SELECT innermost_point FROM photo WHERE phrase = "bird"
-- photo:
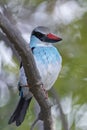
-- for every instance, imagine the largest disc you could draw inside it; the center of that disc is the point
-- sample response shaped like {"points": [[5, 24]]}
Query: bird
{"points": [[48, 61]]}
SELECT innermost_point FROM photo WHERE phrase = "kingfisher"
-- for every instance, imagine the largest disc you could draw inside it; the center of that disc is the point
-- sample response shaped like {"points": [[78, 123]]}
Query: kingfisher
{"points": [[48, 61]]}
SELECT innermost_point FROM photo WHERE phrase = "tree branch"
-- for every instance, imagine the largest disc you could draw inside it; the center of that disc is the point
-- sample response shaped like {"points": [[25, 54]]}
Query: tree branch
{"points": [[31, 71], [62, 116]]}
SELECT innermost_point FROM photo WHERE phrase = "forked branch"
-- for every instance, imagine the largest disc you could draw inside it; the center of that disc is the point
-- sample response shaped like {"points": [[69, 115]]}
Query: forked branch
{"points": [[31, 71]]}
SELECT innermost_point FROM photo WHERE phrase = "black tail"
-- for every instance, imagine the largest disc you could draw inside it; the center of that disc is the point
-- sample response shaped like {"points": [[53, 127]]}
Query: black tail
{"points": [[20, 111]]}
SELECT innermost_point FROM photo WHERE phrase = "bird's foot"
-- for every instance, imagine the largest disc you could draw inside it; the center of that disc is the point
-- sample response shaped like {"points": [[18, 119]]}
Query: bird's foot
{"points": [[46, 93]]}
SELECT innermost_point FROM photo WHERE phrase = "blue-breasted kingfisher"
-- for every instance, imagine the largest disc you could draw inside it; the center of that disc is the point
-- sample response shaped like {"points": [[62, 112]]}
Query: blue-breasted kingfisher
{"points": [[48, 61]]}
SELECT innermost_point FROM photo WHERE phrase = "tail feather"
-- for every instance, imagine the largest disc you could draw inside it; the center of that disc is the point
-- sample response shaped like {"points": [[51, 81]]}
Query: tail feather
{"points": [[20, 111], [23, 111], [17, 111]]}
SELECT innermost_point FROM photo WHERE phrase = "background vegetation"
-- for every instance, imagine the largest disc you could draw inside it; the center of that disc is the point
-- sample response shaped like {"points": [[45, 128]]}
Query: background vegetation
{"points": [[68, 19]]}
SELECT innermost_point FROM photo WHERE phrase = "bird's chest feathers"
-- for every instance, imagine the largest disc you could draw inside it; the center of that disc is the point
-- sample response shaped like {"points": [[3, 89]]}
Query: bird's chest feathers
{"points": [[48, 62]]}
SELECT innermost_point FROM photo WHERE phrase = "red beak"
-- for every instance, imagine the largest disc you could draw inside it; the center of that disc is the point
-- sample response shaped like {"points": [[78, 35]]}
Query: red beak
{"points": [[51, 36]]}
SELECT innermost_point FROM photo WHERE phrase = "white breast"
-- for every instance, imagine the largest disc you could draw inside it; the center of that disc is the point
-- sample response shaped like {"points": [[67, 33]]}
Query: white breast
{"points": [[49, 75], [48, 64]]}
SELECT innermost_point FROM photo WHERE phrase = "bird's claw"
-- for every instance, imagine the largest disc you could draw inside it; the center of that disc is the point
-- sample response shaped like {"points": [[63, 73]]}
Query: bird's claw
{"points": [[46, 93]]}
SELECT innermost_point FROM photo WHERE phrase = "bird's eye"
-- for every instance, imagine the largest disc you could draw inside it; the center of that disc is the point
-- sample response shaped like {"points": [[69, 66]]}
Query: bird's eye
{"points": [[38, 34]]}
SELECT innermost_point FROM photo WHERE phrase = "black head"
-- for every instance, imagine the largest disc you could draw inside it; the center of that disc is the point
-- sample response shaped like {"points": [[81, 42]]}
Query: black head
{"points": [[43, 34]]}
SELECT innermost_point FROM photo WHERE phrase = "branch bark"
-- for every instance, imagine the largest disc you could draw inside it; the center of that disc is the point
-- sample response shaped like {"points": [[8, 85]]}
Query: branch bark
{"points": [[31, 71]]}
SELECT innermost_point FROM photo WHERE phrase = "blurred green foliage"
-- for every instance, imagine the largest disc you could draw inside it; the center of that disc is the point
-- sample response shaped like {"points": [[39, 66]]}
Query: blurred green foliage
{"points": [[73, 77]]}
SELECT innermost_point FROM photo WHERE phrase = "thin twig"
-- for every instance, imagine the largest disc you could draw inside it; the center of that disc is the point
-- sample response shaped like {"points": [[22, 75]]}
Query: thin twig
{"points": [[34, 123], [63, 119]]}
